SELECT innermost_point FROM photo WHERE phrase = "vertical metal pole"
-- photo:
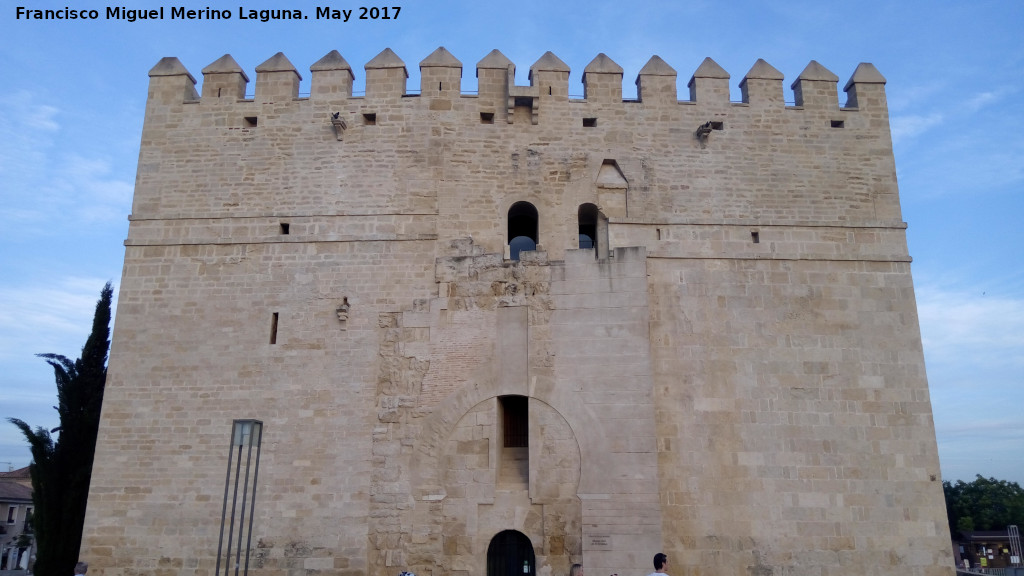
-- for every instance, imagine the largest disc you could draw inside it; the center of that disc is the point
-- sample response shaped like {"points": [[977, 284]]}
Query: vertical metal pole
{"points": [[246, 434], [245, 496], [234, 504], [224, 508], [252, 503], [1014, 543]]}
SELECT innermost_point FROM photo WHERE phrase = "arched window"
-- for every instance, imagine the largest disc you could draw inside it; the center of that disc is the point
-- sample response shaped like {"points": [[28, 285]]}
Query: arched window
{"points": [[510, 554], [586, 216], [522, 229]]}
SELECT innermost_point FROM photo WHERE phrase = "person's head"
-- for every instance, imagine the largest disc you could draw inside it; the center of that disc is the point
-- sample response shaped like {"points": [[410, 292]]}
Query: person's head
{"points": [[576, 570], [660, 561], [81, 568]]}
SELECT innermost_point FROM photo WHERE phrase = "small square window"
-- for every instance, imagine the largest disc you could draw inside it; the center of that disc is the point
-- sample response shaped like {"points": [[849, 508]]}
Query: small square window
{"points": [[717, 125], [590, 122], [250, 122], [285, 228], [370, 119], [838, 124], [755, 237], [487, 117]]}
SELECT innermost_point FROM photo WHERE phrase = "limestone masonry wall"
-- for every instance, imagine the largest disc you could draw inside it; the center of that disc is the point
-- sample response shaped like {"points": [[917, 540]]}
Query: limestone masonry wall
{"points": [[709, 345]]}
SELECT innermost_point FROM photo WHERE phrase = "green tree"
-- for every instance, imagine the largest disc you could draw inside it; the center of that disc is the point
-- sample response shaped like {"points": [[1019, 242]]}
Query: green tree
{"points": [[984, 504], [61, 468]]}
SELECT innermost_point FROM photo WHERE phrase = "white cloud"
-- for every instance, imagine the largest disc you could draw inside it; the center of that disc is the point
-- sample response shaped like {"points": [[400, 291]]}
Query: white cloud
{"points": [[40, 319], [43, 177], [40, 117], [974, 348], [959, 327], [979, 101], [26, 132], [909, 97], [904, 127]]}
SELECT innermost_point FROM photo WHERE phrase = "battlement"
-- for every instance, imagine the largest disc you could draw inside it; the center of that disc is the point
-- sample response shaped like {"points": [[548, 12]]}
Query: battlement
{"points": [[386, 79], [652, 163]]}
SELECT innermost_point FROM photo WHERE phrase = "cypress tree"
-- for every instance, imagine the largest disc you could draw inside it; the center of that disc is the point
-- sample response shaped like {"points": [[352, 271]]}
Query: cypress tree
{"points": [[61, 468]]}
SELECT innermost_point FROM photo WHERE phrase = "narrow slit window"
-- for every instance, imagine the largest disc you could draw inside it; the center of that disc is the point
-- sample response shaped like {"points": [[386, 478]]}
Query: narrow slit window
{"points": [[273, 328], [755, 237], [590, 122], [250, 121], [285, 228], [370, 119]]}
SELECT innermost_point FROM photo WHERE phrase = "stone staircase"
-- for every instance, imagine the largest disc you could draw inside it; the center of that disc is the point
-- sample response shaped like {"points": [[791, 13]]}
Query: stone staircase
{"points": [[514, 472]]}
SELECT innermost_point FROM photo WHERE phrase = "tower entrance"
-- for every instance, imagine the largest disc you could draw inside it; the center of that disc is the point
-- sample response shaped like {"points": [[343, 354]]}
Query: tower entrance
{"points": [[510, 554]]}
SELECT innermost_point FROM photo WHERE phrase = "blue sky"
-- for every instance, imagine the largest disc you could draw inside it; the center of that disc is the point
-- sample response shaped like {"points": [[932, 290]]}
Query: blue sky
{"points": [[71, 116]]}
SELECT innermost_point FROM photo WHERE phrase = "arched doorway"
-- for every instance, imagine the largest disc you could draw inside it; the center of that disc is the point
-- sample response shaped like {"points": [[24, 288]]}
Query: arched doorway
{"points": [[511, 554]]}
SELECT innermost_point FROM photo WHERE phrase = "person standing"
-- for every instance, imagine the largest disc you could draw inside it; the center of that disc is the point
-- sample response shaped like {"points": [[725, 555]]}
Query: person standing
{"points": [[660, 563]]}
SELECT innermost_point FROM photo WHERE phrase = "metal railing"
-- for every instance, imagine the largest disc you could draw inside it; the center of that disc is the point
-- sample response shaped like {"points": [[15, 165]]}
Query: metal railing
{"points": [[1011, 571]]}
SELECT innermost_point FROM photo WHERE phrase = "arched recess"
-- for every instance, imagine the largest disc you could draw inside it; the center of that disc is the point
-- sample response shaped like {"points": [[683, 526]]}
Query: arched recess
{"points": [[522, 228], [455, 469], [510, 553]]}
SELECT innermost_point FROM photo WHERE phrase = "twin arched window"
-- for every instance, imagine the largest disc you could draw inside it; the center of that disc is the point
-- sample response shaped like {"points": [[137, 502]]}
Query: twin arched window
{"points": [[522, 227]]}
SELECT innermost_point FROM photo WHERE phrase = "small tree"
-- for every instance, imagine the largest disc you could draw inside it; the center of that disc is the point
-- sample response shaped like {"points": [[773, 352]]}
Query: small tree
{"points": [[61, 469]]}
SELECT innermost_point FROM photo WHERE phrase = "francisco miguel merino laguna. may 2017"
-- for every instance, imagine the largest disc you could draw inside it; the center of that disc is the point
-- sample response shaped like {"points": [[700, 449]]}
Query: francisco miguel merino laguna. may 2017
{"points": [[183, 13]]}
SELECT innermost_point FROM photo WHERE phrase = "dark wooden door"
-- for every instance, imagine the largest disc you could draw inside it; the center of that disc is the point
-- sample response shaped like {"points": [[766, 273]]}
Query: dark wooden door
{"points": [[510, 554]]}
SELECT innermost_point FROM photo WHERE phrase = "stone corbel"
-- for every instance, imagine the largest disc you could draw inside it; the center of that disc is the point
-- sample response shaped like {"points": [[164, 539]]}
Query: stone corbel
{"points": [[339, 125]]}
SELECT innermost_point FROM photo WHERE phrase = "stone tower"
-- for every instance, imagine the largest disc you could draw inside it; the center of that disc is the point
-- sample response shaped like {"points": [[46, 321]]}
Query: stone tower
{"points": [[500, 333]]}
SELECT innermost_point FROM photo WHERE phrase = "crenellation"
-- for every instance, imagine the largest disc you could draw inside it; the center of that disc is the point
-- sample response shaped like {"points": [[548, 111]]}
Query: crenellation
{"points": [[495, 74], [277, 80], [762, 85], [332, 77], [224, 78], [866, 90], [815, 88], [550, 77], [602, 81], [171, 83], [709, 85], [656, 83], [440, 75], [498, 95], [386, 76]]}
